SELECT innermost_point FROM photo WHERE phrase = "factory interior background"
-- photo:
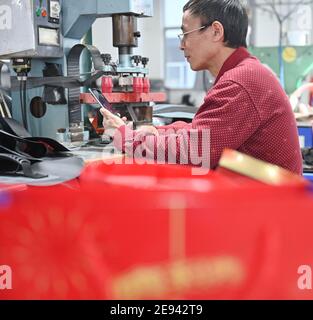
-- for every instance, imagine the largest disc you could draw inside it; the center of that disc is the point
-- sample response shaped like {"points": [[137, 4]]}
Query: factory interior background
{"points": [[94, 224]]}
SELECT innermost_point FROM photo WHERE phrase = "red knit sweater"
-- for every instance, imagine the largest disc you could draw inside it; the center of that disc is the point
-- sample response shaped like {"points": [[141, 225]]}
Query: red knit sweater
{"points": [[246, 110]]}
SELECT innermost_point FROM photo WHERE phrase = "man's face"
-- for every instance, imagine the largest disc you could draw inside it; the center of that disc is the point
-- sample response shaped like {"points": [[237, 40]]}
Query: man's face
{"points": [[198, 46]]}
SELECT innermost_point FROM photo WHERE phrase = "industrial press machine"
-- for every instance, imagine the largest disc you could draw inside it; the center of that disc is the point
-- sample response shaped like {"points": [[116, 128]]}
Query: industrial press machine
{"points": [[41, 42]]}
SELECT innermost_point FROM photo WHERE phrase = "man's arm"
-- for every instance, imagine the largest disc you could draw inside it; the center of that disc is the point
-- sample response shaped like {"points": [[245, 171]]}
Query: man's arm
{"points": [[175, 125], [167, 146], [156, 130], [226, 120]]}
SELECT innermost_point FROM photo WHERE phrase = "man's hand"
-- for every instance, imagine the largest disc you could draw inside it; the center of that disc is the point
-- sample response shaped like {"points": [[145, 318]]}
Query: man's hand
{"points": [[110, 120], [148, 130]]}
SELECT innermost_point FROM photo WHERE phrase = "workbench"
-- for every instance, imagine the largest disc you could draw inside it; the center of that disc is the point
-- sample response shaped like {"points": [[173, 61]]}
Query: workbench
{"points": [[92, 153]]}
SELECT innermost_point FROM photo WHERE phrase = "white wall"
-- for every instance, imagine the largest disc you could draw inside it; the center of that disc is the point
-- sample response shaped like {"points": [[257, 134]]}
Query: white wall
{"points": [[297, 29], [150, 44]]}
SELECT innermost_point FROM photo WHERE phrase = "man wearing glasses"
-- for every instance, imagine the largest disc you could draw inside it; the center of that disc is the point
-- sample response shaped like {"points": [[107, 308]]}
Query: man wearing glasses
{"points": [[245, 110]]}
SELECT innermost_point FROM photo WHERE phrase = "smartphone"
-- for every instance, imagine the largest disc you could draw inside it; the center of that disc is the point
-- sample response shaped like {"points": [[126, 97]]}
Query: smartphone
{"points": [[102, 100]]}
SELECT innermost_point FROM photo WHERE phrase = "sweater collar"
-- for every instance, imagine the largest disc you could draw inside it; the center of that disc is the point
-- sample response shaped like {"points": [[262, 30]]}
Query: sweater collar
{"points": [[232, 61]]}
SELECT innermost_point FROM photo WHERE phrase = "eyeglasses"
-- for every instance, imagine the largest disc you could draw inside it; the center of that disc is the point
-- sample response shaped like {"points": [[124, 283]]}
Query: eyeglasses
{"points": [[182, 35]]}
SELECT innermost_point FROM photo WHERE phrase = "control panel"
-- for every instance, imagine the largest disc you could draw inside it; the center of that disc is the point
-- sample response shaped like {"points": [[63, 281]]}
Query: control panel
{"points": [[47, 18], [54, 11], [35, 29]]}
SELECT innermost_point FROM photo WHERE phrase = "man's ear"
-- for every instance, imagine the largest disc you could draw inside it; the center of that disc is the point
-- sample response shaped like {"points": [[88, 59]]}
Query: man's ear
{"points": [[218, 31]]}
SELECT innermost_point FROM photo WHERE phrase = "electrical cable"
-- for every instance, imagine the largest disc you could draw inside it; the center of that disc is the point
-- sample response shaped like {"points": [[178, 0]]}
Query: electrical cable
{"points": [[6, 107], [23, 109], [24, 103], [2, 110], [21, 101]]}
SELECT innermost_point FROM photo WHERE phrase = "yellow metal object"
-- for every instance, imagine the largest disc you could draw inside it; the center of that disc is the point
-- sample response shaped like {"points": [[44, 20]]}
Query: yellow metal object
{"points": [[257, 169]]}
